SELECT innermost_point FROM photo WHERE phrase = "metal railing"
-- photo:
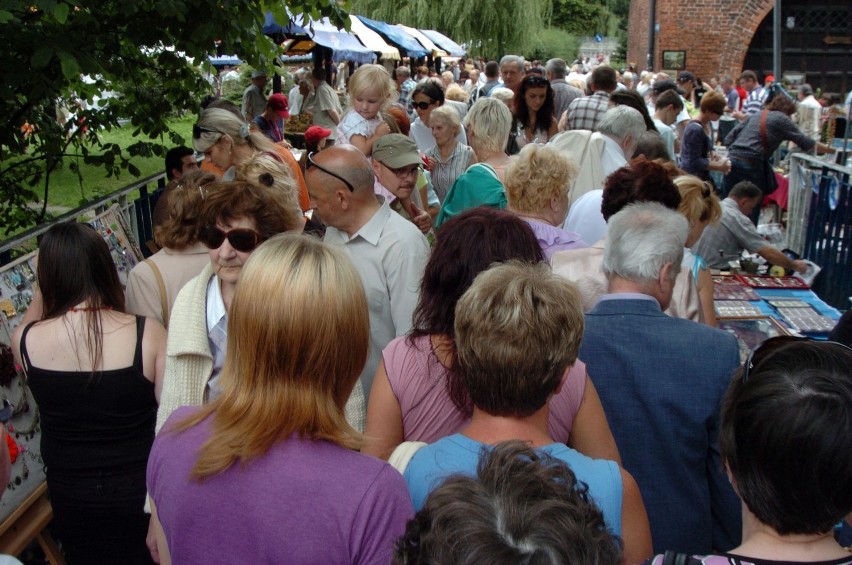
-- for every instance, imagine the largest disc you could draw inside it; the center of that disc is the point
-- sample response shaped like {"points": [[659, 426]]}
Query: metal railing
{"points": [[819, 225], [137, 211]]}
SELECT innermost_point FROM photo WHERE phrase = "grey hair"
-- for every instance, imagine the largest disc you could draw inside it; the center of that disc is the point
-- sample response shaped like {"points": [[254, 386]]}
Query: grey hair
{"points": [[224, 122], [490, 121], [641, 239], [557, 67], [517, 59], [403, 71], [502, 94], [621, 121]]}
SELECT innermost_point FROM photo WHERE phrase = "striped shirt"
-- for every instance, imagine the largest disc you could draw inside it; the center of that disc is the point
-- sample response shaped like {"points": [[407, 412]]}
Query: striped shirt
{"points": [[445, 172]]}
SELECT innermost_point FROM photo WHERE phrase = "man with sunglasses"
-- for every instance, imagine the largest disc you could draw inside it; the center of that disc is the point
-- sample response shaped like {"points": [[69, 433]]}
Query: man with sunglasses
{"points": [[388, 251], [661, 381]]}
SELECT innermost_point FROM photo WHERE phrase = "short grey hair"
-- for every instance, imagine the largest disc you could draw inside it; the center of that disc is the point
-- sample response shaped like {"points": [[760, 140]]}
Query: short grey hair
{"points": [[806, 89], [403, 71], [641, 239], [621, 121], [517, 59], [557, 67], [490, 121]]}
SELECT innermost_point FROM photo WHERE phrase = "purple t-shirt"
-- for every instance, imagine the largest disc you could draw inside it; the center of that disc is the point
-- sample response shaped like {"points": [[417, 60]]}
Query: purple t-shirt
{"points": [[419, 382], [553, 239], [303, 502]]}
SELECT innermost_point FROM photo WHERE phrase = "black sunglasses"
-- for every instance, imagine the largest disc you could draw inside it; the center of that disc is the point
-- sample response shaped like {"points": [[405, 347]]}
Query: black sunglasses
{"points": [[312, 163], [756, 356], [241, 239], [536, 80], [197, 130], [422, 105]]}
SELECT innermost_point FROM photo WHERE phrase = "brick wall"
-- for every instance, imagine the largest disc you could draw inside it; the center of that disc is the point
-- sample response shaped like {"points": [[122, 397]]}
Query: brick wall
{"points": [[714, 33]]}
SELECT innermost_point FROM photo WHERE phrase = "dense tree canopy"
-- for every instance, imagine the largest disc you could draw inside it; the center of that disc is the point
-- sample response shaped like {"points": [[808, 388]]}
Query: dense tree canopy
{"points": [[60, 53]]}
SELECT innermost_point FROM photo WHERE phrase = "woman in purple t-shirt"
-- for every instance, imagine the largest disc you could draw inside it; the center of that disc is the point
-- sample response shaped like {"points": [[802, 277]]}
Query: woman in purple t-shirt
{"points": [[268, 472], [417, 394]]}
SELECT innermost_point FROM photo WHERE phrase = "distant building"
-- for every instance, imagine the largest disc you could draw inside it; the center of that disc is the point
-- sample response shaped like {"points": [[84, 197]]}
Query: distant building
{"points": [[723, 37], [591, 48]]}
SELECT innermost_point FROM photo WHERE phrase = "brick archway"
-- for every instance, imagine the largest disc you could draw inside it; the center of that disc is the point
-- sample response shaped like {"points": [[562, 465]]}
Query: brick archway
{"points": [[714, 33]]}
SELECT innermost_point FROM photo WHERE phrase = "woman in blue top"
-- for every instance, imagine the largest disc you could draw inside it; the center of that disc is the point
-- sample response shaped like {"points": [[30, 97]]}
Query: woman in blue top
{"points": [[696, 148]]}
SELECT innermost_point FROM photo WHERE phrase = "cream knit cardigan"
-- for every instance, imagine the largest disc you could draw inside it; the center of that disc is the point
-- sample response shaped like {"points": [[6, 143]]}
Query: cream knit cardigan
{"points": [[189, 360]]}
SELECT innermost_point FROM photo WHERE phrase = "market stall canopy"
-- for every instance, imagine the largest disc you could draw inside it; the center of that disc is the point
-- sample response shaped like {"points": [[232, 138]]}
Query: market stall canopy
{"points": [[223, 60], [373, 40], [397, 36], [344, 46], [425, 41], [444, 42]]}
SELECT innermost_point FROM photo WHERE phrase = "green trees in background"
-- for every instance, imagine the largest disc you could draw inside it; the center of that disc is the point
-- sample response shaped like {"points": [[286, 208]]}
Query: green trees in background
{"points": [[59, 56]]}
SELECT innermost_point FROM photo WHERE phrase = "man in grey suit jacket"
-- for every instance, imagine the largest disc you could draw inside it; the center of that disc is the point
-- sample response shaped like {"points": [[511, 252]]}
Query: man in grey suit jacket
{"points": [[661, 381]]}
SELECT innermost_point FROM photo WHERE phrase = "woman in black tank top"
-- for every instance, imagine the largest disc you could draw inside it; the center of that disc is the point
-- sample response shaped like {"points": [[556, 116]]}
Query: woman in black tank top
{"points": [[93, 371]]}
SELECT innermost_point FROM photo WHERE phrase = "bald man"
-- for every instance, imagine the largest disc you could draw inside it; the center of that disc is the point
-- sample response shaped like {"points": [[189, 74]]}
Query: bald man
{"points": [[388, 251]]}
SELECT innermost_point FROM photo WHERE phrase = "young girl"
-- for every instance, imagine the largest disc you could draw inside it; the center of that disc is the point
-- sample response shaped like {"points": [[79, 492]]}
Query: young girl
{"points": [[371, 90]]}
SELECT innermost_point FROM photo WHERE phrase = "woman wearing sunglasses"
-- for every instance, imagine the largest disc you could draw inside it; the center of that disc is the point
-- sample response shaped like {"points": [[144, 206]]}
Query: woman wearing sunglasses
{"points": [[534, 122], [426, 96], [269, 472], [235, 218], [786, 445]]}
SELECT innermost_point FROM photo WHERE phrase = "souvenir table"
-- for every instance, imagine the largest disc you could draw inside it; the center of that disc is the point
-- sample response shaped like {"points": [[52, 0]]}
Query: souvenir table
{"points": [[757, 308]]}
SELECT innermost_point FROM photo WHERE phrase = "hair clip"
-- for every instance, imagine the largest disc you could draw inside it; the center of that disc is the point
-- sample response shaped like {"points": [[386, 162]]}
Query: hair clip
{"points": [[244, 130], [266, 179]]}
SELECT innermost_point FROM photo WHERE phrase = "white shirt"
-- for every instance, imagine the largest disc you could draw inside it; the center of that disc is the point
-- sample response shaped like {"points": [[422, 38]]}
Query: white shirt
{"points": [[585, 218], [422, 136], [390, 254], [295, 100], [612, 159]]}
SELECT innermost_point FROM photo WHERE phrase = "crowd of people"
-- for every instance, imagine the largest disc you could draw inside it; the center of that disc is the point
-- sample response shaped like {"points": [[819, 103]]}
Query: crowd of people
{"points": [[473, 324]]}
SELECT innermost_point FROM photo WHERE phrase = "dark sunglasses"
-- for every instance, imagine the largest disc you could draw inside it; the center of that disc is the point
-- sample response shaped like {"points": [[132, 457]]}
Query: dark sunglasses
{"points": [[197, 130], [773, 344], [241, 239], [312, 163], [422, 105], [536, 80]]}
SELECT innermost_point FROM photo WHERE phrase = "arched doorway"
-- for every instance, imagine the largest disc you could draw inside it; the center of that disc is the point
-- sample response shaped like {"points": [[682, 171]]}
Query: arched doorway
{"points": [[817, 42]]}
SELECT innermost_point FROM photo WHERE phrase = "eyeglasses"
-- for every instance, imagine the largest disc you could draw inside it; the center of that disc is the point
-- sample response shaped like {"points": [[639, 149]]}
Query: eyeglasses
{"points": [[312, 163], [771, 345], [404, 171], [241, 239], [197, 130], [422, 105]]}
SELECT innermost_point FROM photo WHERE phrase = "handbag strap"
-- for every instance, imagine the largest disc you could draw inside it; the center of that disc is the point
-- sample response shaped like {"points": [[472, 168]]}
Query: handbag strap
{"points": [[763, 130], [164, 302]]}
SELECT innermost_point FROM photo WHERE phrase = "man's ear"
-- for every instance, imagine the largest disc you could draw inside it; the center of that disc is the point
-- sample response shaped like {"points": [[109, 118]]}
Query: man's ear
{"points": [[665, 275], [376, 169]]}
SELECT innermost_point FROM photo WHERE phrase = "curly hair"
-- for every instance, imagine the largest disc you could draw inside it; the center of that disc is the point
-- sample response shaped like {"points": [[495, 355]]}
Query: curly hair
{"points": [[523, 506], [184, 198], [537, 174]]}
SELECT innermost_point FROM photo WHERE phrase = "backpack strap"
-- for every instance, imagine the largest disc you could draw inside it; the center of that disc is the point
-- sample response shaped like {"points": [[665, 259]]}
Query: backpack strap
{"points": [[164, 301], [763, 140]]}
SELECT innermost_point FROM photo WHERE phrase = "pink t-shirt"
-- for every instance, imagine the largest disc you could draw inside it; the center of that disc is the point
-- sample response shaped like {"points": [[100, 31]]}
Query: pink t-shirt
{"points": [[418, 381]]}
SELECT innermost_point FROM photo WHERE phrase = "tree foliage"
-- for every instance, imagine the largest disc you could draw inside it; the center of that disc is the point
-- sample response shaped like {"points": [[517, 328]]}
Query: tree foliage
{"points": [[60, 53]]}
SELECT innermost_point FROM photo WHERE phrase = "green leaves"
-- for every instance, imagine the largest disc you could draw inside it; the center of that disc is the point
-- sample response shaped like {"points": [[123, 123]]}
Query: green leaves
{"points": [[61, 12]]}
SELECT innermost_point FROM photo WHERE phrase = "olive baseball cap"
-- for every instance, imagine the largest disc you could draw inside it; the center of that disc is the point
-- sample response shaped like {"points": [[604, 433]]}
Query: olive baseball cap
{"points": [[396, 151]]}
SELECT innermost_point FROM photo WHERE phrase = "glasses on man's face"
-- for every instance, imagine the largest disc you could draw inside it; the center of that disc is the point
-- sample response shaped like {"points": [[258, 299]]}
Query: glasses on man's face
{"points": [[312, 163], [197, 130], [404, 171], [758, 355], [241, 239], [423, 105]]}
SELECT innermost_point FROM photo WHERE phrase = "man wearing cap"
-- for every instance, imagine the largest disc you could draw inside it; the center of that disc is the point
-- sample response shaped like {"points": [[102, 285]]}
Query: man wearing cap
{"points": [[254, 102], [686, 81], [388, 251], [271, 122], [396, 164]]}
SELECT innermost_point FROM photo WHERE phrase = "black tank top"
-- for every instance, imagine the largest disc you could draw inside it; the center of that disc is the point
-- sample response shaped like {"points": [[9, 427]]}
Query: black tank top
{"points": [[101, 421]]}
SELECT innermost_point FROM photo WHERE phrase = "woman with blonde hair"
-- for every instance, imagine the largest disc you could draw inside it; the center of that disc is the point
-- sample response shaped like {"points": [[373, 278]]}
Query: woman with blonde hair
{"points": [[262, 171], [537, 185], [488, 124], [700, 206], [371, 90], [274, 449], [448, 158], [226, 140], [153, 285]]}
